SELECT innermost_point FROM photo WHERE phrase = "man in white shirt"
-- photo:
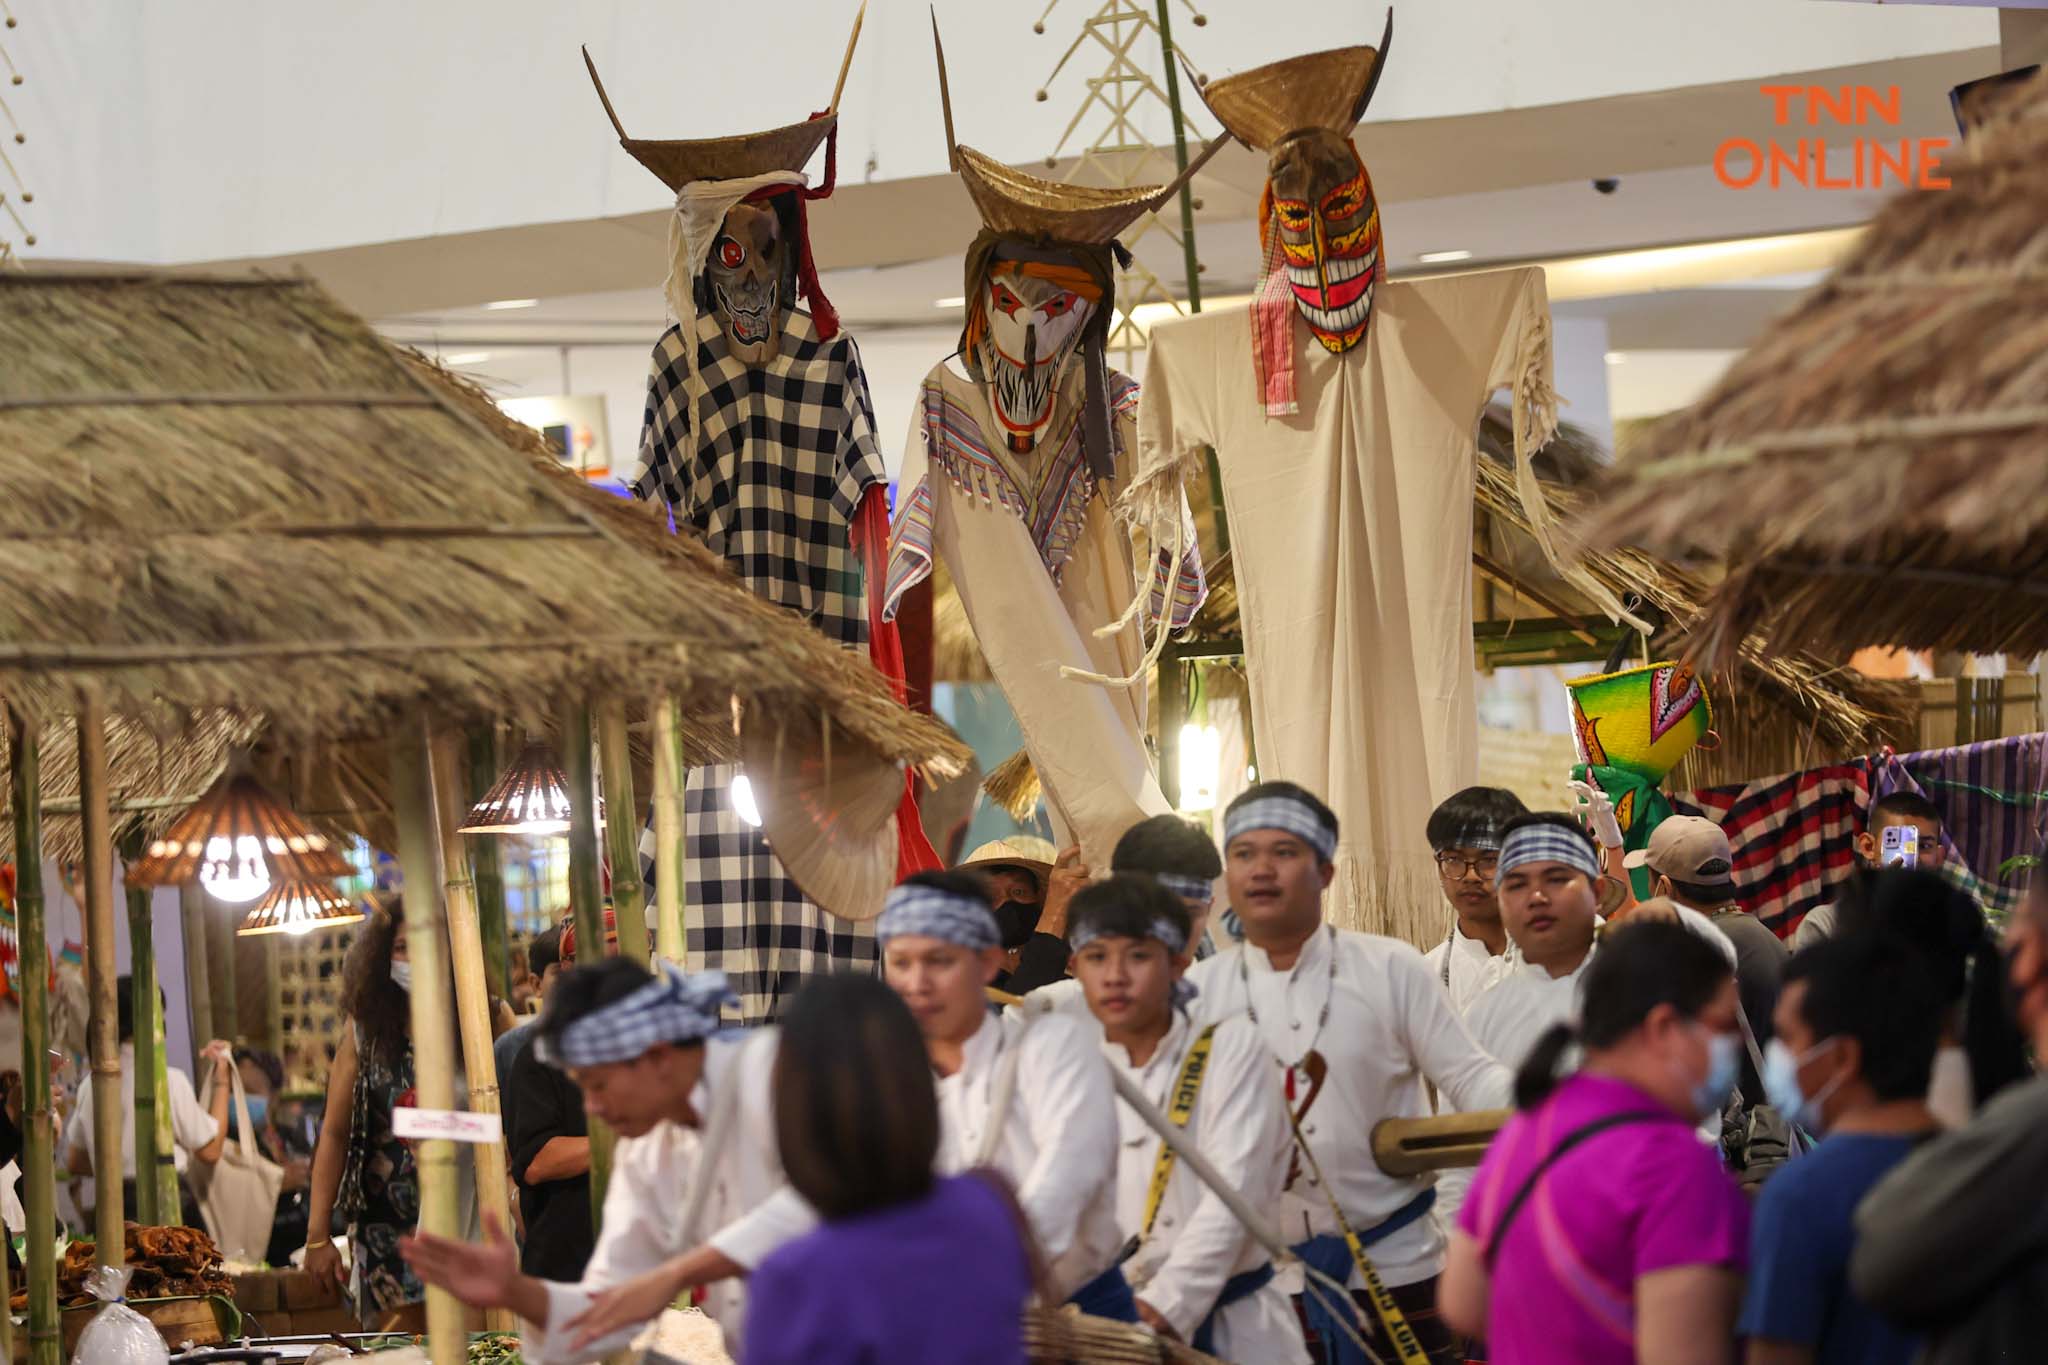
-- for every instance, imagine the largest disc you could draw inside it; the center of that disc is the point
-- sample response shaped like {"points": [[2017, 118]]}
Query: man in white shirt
{"points": [[1027, 1093], [1548, 888], [1465, 833], [197, 1134], [1355, 1021], [1200, 1276], [642, 1050]]}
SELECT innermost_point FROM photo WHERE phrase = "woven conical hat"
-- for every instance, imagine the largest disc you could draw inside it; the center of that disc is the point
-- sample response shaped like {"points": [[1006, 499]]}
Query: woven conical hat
{"points": [[1019, 204], [1327, 90], [680, 162], [828, 807]]}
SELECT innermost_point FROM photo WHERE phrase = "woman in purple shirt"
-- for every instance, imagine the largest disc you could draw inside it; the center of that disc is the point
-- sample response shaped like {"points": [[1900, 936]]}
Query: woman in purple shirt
{"points": [[1600, 1228], [906, 1268]]}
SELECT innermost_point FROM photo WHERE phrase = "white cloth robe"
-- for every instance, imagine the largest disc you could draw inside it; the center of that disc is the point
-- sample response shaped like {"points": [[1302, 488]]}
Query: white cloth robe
{"points": [[1087, 742], [750, 1205], [1239, 1122], [1472, 969], [1390, 1027], [1058, 1142], [1351, 535]]}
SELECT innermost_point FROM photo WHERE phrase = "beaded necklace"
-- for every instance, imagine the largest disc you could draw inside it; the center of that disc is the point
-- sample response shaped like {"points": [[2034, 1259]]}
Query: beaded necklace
{"points": [[1329, 993]]}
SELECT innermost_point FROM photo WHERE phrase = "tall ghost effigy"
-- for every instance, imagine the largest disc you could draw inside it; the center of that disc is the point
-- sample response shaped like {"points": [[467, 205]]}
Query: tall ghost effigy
{"points": [[1343, 409], [1008, 474], [760, 439]]}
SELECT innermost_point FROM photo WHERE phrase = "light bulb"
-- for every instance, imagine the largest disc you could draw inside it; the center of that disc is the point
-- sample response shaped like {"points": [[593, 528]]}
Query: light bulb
{"points": [[743, 801], [1201, 754], [234, 873]]}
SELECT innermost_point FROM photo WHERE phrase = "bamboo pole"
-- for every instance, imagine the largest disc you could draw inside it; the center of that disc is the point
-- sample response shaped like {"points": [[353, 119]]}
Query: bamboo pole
{"points": [[433, 1042], [486, 869], [101, 985], [622, 831], [472, 990], [586, 902], [221, 975], [668, 832], [142, 1002], [38, 1144], [198, 973]]}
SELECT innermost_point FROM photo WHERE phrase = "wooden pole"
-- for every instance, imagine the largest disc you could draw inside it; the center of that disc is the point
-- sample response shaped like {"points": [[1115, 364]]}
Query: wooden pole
{"points": [[221, 974], [622, 831], [101, 985], [38, 1143], [142, 1002], [586, 901], [486, 867], [472, 991], [433, 1041], [198, 973], [668, 832]]}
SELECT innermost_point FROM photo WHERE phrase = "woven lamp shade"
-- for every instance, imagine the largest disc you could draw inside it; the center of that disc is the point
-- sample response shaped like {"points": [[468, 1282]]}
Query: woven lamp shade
{"points": [[295, 907], [529, 797], [238, 830]]}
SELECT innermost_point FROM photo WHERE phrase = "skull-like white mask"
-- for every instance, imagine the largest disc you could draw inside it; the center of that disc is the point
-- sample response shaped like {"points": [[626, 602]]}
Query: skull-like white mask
{"points": [[747, 276], [1034, 325]]}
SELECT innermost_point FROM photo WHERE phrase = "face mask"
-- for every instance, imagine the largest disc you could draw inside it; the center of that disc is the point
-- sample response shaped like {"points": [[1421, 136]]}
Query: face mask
{"points": [[401, 976], [1781, 1084], [1016, 920], [259, 1109], [747, 275], [1724, 1064], [1328, 227], [1034, 325]]}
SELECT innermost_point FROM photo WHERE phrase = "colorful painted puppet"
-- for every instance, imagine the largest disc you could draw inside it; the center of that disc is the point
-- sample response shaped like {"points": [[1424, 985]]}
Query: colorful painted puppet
{"points": [[1631, 728], [1343, 409], [760, 440], [1007, 474]]}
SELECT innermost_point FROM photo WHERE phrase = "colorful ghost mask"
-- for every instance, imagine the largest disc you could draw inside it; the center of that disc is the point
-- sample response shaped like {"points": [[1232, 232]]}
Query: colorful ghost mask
{"points": [[1027, 325], [1320, 213], [749, 279]]}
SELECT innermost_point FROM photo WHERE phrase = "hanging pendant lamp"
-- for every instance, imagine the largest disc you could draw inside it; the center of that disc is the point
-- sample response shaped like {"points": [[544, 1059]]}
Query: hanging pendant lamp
{"points": [[296, 907], [529, 797], [238, 841]]}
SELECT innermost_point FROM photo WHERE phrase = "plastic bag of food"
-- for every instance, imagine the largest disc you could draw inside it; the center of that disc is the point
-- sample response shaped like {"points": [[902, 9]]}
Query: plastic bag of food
{"points": [[117, 1334]]}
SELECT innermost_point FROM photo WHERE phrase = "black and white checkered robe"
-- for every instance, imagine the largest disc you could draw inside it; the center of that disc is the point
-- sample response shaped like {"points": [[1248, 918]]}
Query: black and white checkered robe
{"points": [[768, 466]]}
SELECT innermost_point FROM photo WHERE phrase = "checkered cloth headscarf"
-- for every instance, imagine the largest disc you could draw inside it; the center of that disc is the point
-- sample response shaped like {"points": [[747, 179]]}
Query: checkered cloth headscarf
{"points": [[1162, 929], [1187, 888], [675, 1007], [933, 912], [1547, 843], [1286, 814]]}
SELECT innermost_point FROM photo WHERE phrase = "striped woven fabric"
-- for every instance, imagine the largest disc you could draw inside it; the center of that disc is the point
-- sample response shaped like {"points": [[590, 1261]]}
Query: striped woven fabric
{"points": [[1791, 836]]}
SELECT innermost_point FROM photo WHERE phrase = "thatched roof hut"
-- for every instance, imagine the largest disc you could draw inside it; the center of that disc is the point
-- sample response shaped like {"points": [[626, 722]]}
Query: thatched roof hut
{"points": [[1870, 471], [230, 493]]}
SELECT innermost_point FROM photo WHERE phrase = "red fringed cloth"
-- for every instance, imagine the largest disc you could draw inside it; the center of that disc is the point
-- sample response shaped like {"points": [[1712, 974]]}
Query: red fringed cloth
{"points": [[870, 537]]}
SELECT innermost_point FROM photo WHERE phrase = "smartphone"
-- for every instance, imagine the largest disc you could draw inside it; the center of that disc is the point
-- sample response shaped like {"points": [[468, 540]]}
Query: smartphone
{"points": [[1900, 847]]}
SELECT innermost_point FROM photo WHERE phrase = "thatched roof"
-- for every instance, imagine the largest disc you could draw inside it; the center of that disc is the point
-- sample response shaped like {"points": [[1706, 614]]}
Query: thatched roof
{"points": [[1870, 472], [230, 493]]}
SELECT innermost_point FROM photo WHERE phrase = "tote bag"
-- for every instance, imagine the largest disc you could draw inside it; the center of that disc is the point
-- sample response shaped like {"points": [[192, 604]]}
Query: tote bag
{"points": [[238, 1193]]}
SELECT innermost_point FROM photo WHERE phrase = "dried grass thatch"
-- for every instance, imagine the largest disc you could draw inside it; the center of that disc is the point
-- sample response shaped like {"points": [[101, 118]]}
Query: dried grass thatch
{"points": [[231, 493], [1870, 472], [156, 767]]}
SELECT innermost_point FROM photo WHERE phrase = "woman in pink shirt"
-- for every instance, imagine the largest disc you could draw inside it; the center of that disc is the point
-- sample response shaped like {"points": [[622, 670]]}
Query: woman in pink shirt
{"points": [[1600, 1228]]}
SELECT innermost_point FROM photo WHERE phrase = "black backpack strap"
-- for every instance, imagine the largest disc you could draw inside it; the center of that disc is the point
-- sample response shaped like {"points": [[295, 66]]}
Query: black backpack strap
{"points": [[1565, 1144]]}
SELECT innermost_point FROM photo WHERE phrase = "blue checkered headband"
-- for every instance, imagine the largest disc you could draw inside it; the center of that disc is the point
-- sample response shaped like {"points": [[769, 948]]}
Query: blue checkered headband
{"points": [[1161, 929], [1482, 835], [1285, 814], [1187, 888], [931, 912], [1547, 844], [675, 1007]]}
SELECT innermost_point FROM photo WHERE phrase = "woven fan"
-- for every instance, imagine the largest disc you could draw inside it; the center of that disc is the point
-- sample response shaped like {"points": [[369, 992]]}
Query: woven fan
{"points": [[1059, 1334], [828, 806]]}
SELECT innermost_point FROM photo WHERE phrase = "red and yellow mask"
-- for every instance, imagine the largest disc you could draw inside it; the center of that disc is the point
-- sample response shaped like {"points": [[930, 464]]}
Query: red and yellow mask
{"points": [[1320, 217]]}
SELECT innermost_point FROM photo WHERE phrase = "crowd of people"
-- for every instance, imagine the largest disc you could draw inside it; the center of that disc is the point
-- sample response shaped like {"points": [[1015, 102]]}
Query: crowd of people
{"points": [[1720, 1149]]}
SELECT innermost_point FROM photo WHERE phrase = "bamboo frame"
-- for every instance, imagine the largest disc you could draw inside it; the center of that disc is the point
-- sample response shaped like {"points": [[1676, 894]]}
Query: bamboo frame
{"points": [[221, 977], [586, 900], [152, 1090], [669, 940], [198, 966], [101, 986], [472, 991], [39, 1138], [486, 868], [622, 831], [433, 1043]]}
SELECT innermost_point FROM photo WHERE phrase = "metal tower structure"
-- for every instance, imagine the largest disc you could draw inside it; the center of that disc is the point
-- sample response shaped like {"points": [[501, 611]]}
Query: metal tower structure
{"points": [[1126, 33], [12, 200]]}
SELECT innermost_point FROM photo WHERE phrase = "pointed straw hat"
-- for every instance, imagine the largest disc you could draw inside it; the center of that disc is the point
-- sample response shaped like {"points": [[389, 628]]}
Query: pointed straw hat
{"points": [[1018, 204], [1329, 90]]}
